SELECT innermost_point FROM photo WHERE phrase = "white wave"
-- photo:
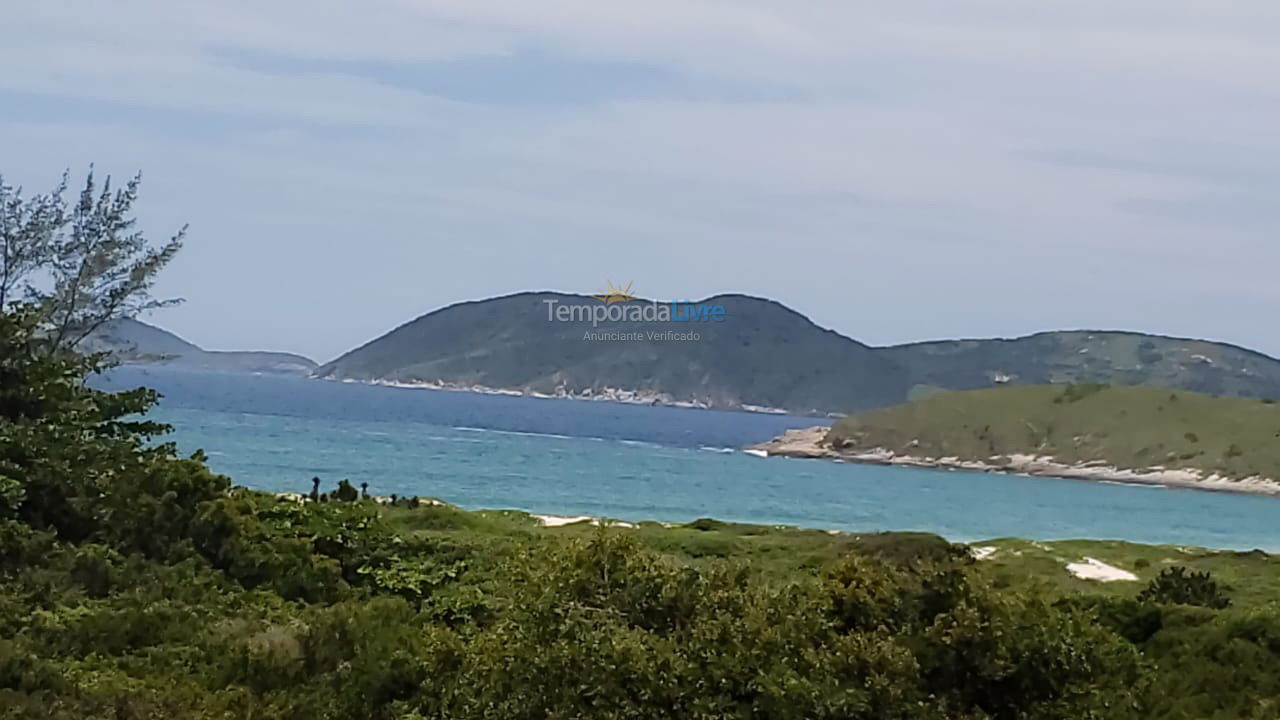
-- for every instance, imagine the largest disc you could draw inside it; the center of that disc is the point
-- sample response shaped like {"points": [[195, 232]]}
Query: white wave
{"points": [[724, 450], [514, 432], [1156, 486]]}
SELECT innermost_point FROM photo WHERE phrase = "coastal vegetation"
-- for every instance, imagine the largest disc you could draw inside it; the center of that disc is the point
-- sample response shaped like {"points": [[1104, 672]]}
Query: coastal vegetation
{"points": [[135, 583], [1125, 427]]}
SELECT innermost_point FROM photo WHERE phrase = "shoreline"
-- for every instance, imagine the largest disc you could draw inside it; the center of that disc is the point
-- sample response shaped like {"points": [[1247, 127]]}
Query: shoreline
{"points": [[614, 395], [809, 443], [981, 547]]}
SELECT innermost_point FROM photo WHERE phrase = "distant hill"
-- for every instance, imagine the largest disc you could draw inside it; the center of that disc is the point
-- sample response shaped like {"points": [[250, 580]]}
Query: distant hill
{"points": [[763, 354], [1122, 358], [135, 342], [1126, 427], [767, 355]]}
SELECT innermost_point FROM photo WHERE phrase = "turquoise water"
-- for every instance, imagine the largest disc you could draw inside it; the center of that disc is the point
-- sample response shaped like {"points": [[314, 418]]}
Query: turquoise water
{"points": [[644, 463]]}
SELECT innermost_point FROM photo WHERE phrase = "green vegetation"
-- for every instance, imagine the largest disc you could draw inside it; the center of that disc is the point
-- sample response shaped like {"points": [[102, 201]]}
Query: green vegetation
{"points": [[136, 584], [1128, 427], [766, 354], [1175, 586], [1089, 356]]}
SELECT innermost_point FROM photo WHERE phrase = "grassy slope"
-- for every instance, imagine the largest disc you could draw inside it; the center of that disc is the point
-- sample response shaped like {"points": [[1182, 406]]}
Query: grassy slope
{"points": [[1252, 579], [1130, 427]]}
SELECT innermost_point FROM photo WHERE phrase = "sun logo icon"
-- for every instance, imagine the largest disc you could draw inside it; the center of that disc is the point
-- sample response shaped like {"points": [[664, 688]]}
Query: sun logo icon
{"points": [[615, 294]]}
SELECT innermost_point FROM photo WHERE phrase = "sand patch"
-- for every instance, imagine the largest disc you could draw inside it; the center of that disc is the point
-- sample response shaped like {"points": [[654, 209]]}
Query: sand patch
{"points": [[561, 520], [1092, 569], [982, 553]]}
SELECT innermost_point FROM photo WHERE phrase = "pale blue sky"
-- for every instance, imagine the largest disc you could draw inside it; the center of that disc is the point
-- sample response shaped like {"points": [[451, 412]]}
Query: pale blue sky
{"points": [[897, 171]]}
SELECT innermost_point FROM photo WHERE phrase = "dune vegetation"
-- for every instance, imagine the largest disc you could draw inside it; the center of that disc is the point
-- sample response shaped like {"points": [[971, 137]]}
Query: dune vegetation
{"points": [[135, 583]]}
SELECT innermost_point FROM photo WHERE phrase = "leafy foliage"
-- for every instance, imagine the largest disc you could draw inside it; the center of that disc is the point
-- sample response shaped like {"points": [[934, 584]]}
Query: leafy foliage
{"points": [[1177, 585], [82, 263]]}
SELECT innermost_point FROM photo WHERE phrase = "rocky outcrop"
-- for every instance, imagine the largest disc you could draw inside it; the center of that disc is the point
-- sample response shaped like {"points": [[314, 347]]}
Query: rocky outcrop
{"points": [[814, 444]]}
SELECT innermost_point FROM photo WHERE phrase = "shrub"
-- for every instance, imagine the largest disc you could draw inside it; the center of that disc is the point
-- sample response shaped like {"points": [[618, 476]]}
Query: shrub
{"points": [[1179, 586], [346, 492]]}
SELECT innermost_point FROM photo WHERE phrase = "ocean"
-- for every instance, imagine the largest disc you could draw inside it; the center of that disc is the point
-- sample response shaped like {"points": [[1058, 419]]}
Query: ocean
{"points": [[631, 462]]}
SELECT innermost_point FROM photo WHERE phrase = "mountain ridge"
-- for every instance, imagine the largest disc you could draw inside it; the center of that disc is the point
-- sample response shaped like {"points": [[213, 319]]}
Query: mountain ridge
{"points": [[768, 355], [509, 343], [133, 342]]}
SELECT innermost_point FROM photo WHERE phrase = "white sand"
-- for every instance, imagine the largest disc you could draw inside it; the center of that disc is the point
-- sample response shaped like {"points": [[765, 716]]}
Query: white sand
{"points": [[1092, 569], [558, 520], [561, 520], [983, 553]]}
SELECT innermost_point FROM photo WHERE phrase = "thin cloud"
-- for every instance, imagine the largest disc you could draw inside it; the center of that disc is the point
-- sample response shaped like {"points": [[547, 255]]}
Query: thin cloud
{"points": [[899, 171]]}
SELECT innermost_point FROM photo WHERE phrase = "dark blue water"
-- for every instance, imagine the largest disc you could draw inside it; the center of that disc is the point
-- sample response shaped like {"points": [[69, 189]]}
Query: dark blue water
{"points": [[643, 463]]}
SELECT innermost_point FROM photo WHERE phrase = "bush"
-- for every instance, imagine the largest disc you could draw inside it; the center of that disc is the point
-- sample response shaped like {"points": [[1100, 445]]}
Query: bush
{"points": [[1179, 586], [346, 492]]}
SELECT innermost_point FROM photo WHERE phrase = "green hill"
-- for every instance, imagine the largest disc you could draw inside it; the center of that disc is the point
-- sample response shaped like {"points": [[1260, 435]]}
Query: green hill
{"points": [[135, 342], [1128, 427], [1082, 356], [765, 354], [762, 354]]}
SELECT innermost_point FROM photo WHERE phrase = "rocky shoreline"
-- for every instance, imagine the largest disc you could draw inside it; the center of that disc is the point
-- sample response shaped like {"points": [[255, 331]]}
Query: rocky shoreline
{"points": [[810, 443], [614, 395]]}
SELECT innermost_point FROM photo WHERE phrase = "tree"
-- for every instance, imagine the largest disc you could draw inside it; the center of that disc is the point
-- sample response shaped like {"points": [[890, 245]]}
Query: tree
{"points": [[27, 229], [81, 265], [78, 461]]}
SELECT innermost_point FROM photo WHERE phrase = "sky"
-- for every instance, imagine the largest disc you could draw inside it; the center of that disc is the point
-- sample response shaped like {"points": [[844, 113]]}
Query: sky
{"points": [[896, 171]]}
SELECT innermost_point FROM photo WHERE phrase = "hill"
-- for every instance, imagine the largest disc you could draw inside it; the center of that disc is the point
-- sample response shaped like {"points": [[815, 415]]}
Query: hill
{"points": [[135, 342], [1135, 428], [764, 354], [1082, 356]]}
